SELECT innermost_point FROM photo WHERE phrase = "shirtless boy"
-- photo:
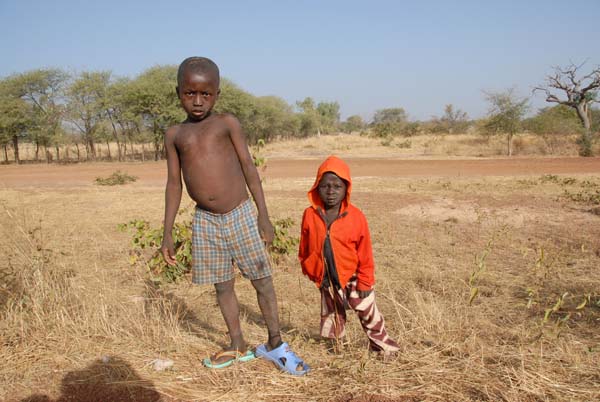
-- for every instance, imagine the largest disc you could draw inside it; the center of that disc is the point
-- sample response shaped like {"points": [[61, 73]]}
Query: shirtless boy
{"points": [[209, 150]]}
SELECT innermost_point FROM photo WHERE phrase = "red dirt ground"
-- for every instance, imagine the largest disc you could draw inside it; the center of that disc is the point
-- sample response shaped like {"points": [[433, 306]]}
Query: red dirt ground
{"points": [[154, 173]]}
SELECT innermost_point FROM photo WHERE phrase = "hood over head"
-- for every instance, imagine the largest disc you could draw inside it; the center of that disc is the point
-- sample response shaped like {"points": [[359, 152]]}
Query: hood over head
{"points": [[339, 168]]}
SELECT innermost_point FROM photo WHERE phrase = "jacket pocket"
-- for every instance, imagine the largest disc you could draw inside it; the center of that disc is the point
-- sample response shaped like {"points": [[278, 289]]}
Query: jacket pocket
{"points": [[312, 267]]}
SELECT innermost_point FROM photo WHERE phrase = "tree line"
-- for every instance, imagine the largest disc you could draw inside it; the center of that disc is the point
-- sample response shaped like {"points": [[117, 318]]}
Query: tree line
{"points": [[54, 111], [68, 117]]}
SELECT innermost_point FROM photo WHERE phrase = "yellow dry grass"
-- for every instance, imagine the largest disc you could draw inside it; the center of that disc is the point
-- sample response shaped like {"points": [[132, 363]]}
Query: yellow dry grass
{"points": [[422, 146], [79, 323], [349, 145]]}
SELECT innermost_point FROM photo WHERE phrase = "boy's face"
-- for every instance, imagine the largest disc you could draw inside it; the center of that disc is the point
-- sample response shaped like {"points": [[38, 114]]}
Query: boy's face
{"points": [[198, 93], [332, 190]]}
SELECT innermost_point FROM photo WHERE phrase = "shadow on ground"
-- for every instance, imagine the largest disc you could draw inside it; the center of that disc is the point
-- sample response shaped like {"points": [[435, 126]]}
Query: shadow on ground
{"points": [[111, 379]]}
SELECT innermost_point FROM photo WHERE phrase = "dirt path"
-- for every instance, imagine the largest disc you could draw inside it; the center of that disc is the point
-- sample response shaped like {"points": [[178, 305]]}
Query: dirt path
{"points": [[154, 173]]}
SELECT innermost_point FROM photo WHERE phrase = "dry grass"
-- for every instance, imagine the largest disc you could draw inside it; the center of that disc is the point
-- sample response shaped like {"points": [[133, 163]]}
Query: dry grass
{"points": [[422, 146], [78, 323], [349, 145]]}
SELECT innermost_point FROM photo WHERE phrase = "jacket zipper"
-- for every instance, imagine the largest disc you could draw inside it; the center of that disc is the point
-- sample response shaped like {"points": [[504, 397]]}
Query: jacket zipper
{"points": [[322, 215]]}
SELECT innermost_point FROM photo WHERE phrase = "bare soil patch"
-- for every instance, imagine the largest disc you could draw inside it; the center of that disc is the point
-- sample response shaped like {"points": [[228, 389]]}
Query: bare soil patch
{"points": [[154, 173]]}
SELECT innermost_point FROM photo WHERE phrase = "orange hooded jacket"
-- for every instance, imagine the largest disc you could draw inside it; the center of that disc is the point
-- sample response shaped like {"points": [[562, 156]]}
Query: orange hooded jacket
{"points": [[349, 235]]}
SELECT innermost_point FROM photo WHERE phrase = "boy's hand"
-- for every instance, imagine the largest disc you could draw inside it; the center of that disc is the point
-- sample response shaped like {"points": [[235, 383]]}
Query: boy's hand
{"points": [[265, 228], [168, 251], [363, 294]]}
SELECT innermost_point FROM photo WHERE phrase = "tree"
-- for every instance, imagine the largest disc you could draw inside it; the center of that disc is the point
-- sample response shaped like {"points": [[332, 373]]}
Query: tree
{"points": [[43, 89], [116, 110], [595, 113], [15, 116], [453, 120], [272, 117], [124, 119], [551, 123], [242, 105], [309, 117], [353, 123], [329, 116], [390, 122], [580, 93], [505, 114], [390, 115], [87, 97], [152, 96]]}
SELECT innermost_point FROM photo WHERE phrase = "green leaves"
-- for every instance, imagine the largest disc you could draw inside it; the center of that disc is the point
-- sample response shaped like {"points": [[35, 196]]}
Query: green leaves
{"points": [[283, 243], [146, 242], [117, 178]]}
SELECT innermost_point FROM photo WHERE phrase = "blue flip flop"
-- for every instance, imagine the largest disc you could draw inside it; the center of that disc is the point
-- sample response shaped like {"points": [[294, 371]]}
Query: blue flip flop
{"points": [[284, 359], [236, 356]]}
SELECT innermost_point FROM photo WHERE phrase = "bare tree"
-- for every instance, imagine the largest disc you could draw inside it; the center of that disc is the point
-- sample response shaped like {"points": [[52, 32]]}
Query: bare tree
{"points": [[580, 94]]}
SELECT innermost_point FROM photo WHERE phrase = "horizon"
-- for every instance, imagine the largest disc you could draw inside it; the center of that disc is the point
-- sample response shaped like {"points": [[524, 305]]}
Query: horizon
{"points": [[419, 57]]}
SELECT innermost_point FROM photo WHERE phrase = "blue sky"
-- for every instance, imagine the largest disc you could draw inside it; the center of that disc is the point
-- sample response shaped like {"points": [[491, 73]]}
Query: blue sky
{"points": [[418, 55]]}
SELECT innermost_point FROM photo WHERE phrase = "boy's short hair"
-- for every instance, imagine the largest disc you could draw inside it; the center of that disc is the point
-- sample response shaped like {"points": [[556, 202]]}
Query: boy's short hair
{"points": [[200, 65]]}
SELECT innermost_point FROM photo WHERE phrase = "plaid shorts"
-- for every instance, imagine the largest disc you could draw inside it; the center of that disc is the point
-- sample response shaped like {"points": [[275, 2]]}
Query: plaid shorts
{"points": [[220, 240]]}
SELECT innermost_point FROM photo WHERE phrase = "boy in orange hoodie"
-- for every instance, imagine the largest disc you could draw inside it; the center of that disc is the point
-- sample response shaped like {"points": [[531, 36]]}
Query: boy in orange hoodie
{"points": [[335, 252]]}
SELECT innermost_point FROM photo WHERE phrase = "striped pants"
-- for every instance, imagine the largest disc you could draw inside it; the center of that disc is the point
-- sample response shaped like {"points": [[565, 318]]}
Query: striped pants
{"points": [[334, 305]]}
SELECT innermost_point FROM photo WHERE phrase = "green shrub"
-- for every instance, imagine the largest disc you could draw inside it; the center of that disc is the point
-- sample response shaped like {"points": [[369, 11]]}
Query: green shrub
{"points": [[283, 242], [117, 178], [146, 242]]}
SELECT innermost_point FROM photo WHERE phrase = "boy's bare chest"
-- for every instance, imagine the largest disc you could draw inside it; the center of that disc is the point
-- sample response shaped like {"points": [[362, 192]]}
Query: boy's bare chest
{"points": [[198, 139]]}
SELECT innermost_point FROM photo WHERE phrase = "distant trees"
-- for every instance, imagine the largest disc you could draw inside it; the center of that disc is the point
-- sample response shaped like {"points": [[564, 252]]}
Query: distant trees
{"points": [[390, 115], [320, 118], [86, 107], [152, 96], [90, 112], [552, 123], [43, 91], [352, 124], [272, 117], [453, 120], [389, 122], [15, 116], [505, 114], [577, 92], [31, 109], [53, 110]]}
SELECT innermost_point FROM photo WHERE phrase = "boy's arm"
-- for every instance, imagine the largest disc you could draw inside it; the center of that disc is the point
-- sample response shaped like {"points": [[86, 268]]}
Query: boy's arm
{"points": [[252, 178], [303, 243], [172, 196], [366, 266]]}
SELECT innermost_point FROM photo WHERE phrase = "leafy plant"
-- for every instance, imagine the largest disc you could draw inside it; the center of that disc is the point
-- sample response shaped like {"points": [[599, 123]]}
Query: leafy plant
{"points": [[386, 141], [555, 307], [559, 307], [480, 267], [283, 243], [117, 178], [146, 241], [259, 159], [406, 144], [585, 196]]}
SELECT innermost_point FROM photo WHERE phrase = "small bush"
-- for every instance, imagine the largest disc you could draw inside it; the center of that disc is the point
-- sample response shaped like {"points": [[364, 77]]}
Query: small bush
{"points": [[117, 178], [589, 197], [146, 242], [406, 144], [552, 178], [386, 141], [283, 242]]}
